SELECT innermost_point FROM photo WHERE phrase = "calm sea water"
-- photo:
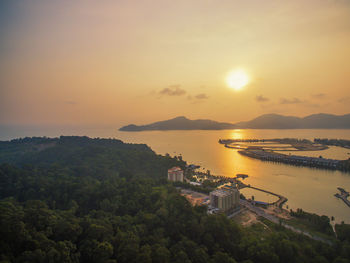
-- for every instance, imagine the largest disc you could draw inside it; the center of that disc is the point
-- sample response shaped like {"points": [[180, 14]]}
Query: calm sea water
{"points": [[307, 188]]}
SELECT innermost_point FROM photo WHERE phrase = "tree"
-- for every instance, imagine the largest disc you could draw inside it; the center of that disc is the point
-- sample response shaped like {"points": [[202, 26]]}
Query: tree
{"points": [[161, 254], [102, 252], [220, 257], [145, 254]]}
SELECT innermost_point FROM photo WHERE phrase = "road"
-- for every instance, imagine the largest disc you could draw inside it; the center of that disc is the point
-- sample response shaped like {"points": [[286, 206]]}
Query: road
{"points": [[276, 220]]}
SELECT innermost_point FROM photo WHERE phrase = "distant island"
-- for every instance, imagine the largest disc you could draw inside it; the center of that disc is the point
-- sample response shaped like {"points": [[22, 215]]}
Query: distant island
{"points": [[266, 121], [180, 123]]}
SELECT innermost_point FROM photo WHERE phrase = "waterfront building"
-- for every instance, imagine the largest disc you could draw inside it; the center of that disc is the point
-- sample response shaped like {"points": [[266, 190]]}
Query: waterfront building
{"points": [[175, 174], [225, 199]]}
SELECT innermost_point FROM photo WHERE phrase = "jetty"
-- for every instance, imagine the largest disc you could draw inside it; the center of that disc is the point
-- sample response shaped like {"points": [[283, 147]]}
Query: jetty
{"points": [[316, 162], [343, 196]]}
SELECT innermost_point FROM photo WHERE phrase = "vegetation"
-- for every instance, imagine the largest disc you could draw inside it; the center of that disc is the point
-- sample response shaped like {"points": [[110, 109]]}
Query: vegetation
{"points": [[313, 221], [75, 199], [343, 231]]}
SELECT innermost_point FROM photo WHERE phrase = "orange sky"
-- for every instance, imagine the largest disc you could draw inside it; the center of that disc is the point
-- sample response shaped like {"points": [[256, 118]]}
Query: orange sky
{"points": [[118, 62]]}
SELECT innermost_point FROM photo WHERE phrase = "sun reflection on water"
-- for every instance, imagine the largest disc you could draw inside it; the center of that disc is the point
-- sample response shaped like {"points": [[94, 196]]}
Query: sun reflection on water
{"points": [[237, 134]]}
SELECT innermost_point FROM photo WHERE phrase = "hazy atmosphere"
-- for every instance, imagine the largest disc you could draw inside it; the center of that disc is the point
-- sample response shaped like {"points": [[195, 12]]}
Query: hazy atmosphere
{"points": [[186, 131], [118, 62]]}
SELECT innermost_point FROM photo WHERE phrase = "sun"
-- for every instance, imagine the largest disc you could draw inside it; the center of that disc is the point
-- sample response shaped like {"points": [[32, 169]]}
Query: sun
{"points": [[237, 79]]}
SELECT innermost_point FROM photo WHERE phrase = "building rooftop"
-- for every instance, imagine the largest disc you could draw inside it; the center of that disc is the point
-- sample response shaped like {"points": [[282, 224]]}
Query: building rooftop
{"points": [[174, 169], [221, 192], [229, 187]]}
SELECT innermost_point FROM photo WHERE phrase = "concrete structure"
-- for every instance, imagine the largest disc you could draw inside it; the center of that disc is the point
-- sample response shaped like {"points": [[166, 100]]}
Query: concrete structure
{"points": [[225, 199], [175, 174]]}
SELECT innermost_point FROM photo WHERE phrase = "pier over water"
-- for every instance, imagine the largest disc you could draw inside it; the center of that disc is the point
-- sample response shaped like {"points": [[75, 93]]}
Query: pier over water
{"points": [[343, 196], [297, 160]]}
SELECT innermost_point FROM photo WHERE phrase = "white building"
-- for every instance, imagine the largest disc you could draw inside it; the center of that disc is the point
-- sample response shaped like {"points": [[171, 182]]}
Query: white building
{"points": [[175, 174]]}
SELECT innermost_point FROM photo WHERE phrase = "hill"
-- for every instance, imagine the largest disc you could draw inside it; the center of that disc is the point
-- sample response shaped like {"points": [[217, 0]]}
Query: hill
{"points": [[266, 121], [315, 121], [180, 123]]}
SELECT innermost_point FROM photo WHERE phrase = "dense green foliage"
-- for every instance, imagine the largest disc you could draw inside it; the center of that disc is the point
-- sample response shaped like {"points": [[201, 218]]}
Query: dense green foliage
{"points": [[202, 189], [343, 231], [314, 221], [76, 199]]}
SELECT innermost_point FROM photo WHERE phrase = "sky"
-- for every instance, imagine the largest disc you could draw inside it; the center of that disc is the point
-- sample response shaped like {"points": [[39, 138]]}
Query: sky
{"points": [[111, 62]]}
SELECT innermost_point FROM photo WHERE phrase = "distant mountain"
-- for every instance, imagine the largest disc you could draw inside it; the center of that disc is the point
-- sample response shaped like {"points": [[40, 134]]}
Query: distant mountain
{"points": [[266, 121], [315, 121], [180, 123], [270, 121]]}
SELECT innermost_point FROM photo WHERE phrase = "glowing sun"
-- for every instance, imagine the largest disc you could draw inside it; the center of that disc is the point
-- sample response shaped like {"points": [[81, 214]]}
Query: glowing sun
{"points": [[237, 79]]}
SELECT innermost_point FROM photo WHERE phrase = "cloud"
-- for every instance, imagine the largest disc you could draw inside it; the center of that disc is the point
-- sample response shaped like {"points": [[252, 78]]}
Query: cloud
{"points": [[304, 103], [344, 100], [197, 98], [319, 95], [261, 98], [291, 101], [177, 91], [173, 90], [201, 96]]}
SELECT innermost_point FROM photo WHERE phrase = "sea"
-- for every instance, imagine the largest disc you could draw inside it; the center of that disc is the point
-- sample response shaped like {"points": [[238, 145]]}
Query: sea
{"points": [[310, 189]]}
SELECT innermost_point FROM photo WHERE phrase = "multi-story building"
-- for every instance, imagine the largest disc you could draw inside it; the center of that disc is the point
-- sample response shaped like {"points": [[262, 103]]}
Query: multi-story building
{"points": [[224, 199], [175, 174]]}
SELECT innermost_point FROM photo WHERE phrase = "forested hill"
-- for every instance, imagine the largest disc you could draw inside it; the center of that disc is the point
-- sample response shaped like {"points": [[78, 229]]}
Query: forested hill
{"points": [[85, 156], [76, 199], [67, 150]]}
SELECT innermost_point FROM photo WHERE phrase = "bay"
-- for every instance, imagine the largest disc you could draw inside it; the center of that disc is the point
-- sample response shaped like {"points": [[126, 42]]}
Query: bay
{"points": [[308, 188]]}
